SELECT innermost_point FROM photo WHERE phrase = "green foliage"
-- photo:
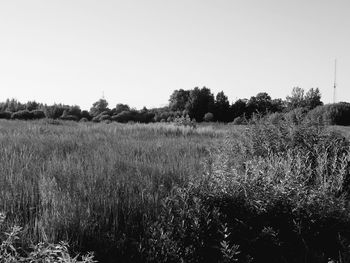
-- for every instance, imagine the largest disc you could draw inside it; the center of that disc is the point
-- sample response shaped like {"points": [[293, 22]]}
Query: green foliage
{"points": [[200, 101]]}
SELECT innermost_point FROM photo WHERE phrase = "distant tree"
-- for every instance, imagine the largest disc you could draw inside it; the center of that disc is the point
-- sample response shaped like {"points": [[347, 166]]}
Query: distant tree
{"points": [[261, 103], [120, 108], [179, 99], [54, 111], [278, 105], [98, 107], [13, 105], [299, 99], [74, 111], [296, 99], [200, 102], [32, 105], [86, 115], [222, 108], [38, 114], [238, 108], [313, 98]]}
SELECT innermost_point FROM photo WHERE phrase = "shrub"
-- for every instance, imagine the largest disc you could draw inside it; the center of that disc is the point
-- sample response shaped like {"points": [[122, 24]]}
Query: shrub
{"points": [[85, 114], [185, 121], [105, 118], [38, 114], [22, 115], [208, 117], [274, 118], [5, 115], [333, 114], [240, 121], [70, 118], [295, 116], [283, 190]]}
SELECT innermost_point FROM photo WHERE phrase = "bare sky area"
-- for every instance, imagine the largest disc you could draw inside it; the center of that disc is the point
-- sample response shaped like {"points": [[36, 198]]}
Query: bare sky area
{"points": [[139, 51]]}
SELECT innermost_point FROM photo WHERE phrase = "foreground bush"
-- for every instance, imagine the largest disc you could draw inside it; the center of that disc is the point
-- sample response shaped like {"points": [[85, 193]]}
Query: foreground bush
{"points": [[283, 191]]}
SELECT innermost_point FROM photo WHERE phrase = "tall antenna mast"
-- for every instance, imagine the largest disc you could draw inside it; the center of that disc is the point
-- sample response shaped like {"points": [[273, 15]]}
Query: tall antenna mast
{"points": [[335, 81]]}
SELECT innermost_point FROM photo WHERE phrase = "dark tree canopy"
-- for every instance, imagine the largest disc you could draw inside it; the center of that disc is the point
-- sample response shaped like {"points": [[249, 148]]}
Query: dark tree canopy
{"points": [[179, 99], [298, 99], [261, 103], [98, 107], [313, 98], [222, 110], [120, 108], [239, 108], [200, 102]]}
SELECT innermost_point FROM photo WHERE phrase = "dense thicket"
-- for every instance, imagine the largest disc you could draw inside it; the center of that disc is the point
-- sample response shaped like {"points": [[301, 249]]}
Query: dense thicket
{"points": [[197, 104]]}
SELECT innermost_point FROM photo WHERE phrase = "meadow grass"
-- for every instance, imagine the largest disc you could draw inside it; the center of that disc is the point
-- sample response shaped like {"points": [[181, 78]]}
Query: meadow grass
{"points": [[94, 185], [166, 193]]}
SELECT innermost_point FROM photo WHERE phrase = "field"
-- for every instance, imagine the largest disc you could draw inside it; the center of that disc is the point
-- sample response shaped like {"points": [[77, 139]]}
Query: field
{"points": [[165, 193], [91, 183]]}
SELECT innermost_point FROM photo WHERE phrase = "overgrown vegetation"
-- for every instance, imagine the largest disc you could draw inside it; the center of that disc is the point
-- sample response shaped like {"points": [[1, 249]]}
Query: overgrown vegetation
{"points": [[270, 191]]}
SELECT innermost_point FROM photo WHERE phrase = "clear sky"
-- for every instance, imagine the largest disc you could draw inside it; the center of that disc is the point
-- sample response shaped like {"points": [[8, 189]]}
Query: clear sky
{"points": [[139, 51]]}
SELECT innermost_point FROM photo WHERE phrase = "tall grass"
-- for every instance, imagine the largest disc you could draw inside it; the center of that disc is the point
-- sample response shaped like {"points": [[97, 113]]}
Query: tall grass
{"points": [[94, 185]]}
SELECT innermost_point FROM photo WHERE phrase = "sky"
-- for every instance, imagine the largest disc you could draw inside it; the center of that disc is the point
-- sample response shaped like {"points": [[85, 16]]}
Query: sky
{"points": [[139, 51]]}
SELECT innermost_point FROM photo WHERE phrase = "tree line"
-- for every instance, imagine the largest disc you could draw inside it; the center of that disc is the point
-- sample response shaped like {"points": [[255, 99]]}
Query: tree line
{"points": [[197, 104]]}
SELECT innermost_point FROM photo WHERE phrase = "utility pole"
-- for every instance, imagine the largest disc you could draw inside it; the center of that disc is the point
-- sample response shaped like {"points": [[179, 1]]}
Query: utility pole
{"points": [[335, 82]]}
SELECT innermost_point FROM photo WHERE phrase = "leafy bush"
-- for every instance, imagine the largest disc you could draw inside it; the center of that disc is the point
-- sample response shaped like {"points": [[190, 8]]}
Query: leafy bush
{"points": [[185, 121], [38, 114], [186, 230], [333, 114], [284, 192], [240, 121], [10, 250], [208, 117], [123, 117], [22, 115]]}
